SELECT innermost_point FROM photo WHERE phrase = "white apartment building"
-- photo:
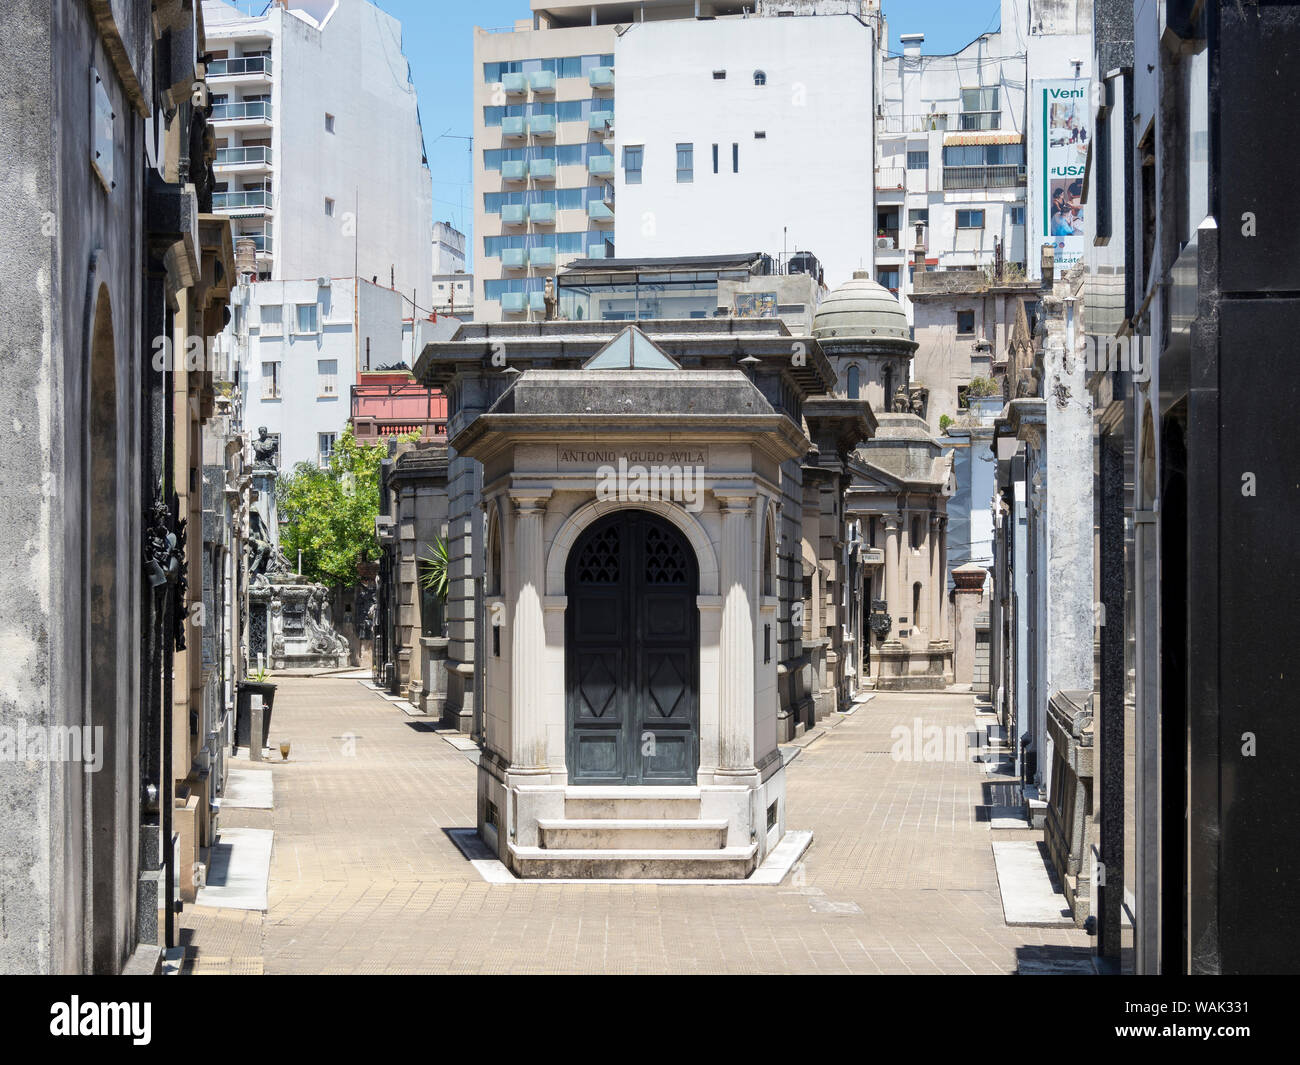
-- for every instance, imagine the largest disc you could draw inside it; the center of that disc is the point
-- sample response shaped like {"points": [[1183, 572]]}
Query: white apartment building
{"points": [[952, 155], [320, 154], [304, 344], [551, 161], [448, 249], [748, 133]]}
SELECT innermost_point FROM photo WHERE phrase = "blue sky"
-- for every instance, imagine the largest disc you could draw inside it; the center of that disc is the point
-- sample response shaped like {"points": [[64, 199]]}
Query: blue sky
{"points": [[438, 38]]}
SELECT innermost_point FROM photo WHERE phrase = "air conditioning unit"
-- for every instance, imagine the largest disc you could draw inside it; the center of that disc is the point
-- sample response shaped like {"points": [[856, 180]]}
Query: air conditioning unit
{"points": [[323, 282]]}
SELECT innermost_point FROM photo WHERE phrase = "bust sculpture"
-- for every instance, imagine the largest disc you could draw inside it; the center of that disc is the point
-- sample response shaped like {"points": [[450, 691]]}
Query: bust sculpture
{"points": [[264, 449]]}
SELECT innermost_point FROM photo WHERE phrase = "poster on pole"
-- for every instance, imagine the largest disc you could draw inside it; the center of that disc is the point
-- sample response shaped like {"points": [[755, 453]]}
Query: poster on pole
{"points": [[1065, 118]]}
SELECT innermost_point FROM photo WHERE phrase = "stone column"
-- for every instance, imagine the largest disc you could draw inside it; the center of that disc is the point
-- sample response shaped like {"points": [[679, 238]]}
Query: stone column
{"points": [[528, 634], [736, 639], [937, 581], [891, 570], [943, 579], [904, 589]]}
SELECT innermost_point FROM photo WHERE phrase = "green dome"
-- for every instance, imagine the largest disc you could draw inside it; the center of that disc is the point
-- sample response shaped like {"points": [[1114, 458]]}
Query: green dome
{"points": [[861, 309]]}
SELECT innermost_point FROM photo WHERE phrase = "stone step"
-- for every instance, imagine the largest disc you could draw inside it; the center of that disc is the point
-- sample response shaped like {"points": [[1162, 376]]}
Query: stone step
{"points": [[608, 833], [623, 803], [728, 863]]}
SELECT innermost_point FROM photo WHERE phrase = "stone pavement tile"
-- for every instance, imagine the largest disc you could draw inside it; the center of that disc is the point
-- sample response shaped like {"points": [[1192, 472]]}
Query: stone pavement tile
{"points": [[900, 877]]}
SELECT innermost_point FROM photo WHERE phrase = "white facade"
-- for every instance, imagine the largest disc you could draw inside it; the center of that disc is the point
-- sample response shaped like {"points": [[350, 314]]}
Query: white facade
{"points": [[787, 105], [304, 345], [320, 151], [448, 249]]}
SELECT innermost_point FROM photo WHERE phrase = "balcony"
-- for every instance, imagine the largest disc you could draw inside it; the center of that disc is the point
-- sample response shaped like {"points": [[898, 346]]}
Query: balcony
{"points": [[600, 165], [542, 169], [887, 240], [542, 125], [257, 157], [599, 121], [381, 410], [514, 170], [977, 120], [513, 214], [261, 241], [599, 212], [256, 66], [542, 213], [918, 123], [513, 126], [243, 114], [596, 251], [541, 256], [241, 199], [891, 178], [513, 258], [515, 84], [537, 302], [513, 302], [542, 81], [601, 77], [983, 177]]}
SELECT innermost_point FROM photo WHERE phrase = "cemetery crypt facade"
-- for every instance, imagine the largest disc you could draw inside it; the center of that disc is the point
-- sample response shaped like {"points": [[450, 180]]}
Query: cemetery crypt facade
{"points": [[653, 580]]}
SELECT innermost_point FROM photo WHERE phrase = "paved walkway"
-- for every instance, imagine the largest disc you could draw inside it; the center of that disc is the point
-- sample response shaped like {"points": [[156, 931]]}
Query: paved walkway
{"points": [[364, 879]]}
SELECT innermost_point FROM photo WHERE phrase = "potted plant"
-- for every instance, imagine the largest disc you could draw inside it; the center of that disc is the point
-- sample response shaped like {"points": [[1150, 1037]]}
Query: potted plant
{"points": [[433, 589], [256, 684]]}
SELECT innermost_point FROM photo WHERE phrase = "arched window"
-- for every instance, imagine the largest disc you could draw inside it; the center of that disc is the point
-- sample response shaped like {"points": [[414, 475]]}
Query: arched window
{"points": [[494, 554], [889, 388], [760, 78], [853, 382], [769, 546], [916, 604]]}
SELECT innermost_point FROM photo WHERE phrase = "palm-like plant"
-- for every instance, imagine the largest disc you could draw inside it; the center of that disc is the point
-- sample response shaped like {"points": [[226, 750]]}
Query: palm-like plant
{"points": [[433, 569]]}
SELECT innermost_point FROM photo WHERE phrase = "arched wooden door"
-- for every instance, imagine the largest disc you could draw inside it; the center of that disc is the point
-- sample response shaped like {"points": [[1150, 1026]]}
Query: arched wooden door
{"points": [[632, 653]]}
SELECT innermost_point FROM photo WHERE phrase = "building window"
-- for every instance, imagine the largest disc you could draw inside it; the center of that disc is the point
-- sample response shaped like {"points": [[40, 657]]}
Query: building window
{"points": [[325, 448], [272, 315], [970, 219], [888, 278], [735, 158], [306, 318], [329, 207], [965, 323], [760, 135], [918, 214], [1017, 216], [329, 122], [760, 77], [918, 160], [327, 372], [270, 380], [633, 155], [715, 158], [854, 385], [980, 108], [719, 75], [685, 163]]}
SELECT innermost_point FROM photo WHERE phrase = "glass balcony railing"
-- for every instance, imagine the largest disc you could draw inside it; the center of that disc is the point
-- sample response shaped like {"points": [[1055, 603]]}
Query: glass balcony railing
{"points": [[542, 212], [226, 201], [513, 214], [515, 84], [980, 120], [599, 212], [513, 258], [537, 301], [541, 256], [542, 125], [542, 81], [601, 165], [601, 77], [600, 120], [542, 169], [513, 170], [248, 64], [513, 302], [241, 110], [261, 241], [240, 156], [596, 251], [513, 126]]}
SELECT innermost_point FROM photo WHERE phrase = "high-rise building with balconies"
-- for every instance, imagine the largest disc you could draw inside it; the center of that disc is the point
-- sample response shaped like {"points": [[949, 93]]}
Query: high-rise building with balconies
{"points": [[320, 154]]}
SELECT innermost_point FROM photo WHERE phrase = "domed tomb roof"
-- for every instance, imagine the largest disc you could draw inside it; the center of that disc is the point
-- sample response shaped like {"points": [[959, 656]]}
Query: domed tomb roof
{"points": [[861, 309]]}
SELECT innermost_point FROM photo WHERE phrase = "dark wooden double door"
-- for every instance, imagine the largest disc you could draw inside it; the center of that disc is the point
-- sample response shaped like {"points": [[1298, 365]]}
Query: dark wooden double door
{"points": [[632, 653]]}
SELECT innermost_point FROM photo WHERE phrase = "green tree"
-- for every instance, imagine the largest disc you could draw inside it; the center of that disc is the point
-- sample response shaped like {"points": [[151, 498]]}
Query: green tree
{"points": [[329, 514]]}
